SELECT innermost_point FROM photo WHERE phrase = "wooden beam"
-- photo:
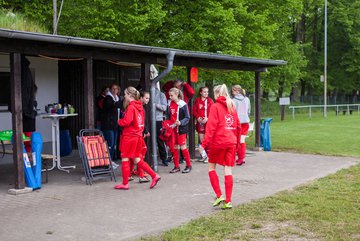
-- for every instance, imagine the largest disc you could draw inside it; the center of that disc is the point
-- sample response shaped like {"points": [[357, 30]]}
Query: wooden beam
{"points": [[145, 76], [212, 64], [89, 93], [145, 81], [17, 125], [257, 109], [36, 48], [191, 124], [63, 51]]}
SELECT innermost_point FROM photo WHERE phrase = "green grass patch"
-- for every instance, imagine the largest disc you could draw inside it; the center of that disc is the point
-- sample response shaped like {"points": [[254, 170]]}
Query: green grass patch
{"points": [[17, 21], [326, 209], [333, 135]]}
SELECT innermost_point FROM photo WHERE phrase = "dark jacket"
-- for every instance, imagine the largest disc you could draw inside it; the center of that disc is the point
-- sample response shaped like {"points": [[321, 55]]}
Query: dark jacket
{"points": [[184, 116], [111, 113], [28, 90]]}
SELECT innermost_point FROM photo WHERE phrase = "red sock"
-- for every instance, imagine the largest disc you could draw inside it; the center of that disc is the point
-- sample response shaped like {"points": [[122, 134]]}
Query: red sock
{"points": [[144, 166], [228, 187], [176, 157], [125, 169], [140, 172], [186, 156], [132, 165], [214, 180], [242, 151], [238, 152]]}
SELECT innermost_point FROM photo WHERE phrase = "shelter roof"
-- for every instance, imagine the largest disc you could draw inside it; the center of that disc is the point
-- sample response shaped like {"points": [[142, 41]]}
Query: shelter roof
{"points": [[30, 43]]}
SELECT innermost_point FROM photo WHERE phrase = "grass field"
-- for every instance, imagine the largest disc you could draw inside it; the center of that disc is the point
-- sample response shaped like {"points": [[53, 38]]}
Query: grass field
{"points": [[333, 135], [326, 209]]}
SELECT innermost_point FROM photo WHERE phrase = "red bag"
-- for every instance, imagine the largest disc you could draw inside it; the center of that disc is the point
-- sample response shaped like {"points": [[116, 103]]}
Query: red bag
{"points": [[166, 130]]}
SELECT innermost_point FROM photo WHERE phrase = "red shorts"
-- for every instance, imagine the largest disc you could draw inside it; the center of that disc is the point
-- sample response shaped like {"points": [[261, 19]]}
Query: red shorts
{"points": [[200, 128], [144, 150], [244, 129], [131, 146], [180, 139], [224, 157]]}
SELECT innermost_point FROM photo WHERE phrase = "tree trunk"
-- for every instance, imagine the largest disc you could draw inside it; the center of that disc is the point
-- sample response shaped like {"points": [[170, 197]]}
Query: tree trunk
{"points": [[265, 95], [303, 88], [300, 30], [280, 90]]}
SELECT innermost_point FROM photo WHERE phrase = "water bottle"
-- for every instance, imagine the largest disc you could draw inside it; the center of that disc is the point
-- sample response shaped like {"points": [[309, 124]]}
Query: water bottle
{"points": [[203, 154]]}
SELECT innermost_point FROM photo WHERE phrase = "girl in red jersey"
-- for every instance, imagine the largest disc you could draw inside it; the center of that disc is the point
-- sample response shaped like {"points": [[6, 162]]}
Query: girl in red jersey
{"points": [[132, 141], [145, 98], [201, 112], [179, 119], [220, 143]]}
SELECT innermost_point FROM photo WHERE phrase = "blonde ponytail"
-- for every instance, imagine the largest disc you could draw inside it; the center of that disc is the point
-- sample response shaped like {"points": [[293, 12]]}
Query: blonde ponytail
{"points": [[221, 90], [133, 92]]}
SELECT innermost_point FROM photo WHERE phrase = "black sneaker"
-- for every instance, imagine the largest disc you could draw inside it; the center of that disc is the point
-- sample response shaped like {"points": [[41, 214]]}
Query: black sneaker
{"points": [[165, 163], [187, 169], [175, 170]]}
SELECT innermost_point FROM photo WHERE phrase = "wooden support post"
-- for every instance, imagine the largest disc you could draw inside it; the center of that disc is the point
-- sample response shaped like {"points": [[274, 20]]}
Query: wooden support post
{"points": [[17, 125], [257, 109], [89, 93], [282, 112], [145, 76], [191, 123], [145, 79]]}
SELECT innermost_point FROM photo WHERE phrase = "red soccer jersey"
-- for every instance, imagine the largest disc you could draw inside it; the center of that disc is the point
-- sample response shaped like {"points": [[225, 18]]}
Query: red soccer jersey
{"points": [[223, 127], [200, 106], [133, 121]]}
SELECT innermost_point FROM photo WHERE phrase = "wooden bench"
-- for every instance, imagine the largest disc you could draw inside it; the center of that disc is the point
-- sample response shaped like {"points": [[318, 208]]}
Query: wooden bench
{"points": [[44, 159]]}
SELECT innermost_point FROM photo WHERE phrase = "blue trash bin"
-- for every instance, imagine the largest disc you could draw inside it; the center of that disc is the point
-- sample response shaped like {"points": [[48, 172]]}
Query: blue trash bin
{"points": [[65, 143], [265, 138]]}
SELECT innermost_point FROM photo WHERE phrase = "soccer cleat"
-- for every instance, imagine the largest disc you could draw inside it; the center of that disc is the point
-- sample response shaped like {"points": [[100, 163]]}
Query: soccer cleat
{"points": [[122, 186], [240, 162], [187, 169], [154, 181], [175, 170], [218, 201], [143, 179], [131, 178], [226, 206]]}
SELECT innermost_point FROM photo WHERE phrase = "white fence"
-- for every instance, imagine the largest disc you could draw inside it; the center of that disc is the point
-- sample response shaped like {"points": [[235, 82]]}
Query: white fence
{"points": [[345, 108]]}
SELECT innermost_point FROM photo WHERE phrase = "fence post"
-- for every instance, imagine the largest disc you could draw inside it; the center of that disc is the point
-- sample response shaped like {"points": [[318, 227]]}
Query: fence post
{"points": [[293, 113], [337, 110], [310, 112]]}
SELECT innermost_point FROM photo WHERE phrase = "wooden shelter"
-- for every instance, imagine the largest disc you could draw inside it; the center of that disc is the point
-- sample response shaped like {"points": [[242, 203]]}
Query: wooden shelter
{"points": [[90, 51]]}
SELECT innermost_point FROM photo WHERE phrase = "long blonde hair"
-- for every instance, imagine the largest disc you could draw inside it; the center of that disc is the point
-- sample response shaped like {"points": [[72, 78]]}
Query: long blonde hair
{"points": [[239, 89], [133, 93], [177, 92], [221, 90]]}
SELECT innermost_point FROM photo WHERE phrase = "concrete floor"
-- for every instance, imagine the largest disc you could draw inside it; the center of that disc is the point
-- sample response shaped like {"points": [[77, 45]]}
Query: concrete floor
{"points": [[67, 209]]}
